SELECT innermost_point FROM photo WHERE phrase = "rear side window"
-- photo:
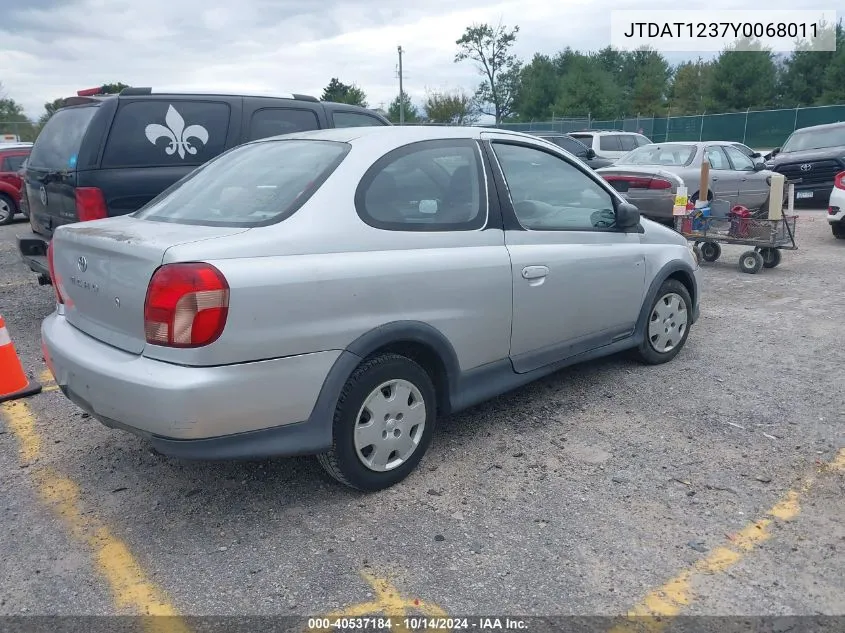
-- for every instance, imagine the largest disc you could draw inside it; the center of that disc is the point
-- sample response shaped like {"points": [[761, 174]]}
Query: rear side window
{"points": [[355, 119], [425, 186], [610, 143], [57, 146], [275, 121], [162, 133], [252, 185]]}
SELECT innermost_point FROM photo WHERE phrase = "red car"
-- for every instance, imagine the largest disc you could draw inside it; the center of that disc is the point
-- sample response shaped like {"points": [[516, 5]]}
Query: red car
{"points": [[12, 156]]}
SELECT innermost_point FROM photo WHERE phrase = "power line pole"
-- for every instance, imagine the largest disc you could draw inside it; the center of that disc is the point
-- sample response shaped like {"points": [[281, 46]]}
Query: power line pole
{"points": [[401, 90]]}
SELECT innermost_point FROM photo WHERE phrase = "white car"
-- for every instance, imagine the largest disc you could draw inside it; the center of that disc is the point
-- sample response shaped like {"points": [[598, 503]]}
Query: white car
{"points": [[612, 145], [836, 207]]}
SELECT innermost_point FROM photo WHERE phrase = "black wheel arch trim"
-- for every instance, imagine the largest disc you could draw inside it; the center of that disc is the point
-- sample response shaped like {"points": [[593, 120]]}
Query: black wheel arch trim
{"points": [[662, 275], [394, 333]]}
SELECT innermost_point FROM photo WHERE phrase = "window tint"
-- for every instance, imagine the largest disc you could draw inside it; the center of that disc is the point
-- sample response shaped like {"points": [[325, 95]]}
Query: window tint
{"points": [[610, 143], [252, 185], [586, 139], [740, 161], [628, 142], [744, 149], [815, 138], [57, 146], [355, 119], [641, 140], [716, 157], [152, 133], [427, 186], [572, 146], [275, 121], [12, 163], [548, 193]]}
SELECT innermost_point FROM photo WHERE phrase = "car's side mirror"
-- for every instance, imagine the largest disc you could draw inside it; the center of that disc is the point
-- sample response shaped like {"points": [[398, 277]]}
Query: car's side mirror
{"points": [[755, 155], [775, 152], [627, 216], [759, 166], [591, 153]]}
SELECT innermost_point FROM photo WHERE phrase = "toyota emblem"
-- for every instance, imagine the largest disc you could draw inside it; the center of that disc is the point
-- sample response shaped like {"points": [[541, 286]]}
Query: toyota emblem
{"points": [[806, 167], [82, 264], [43, 195]]}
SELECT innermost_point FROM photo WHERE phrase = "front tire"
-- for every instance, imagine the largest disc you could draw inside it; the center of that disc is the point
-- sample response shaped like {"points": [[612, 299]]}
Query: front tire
{"points": [[383, 423], [668, 324], [8, 209]]}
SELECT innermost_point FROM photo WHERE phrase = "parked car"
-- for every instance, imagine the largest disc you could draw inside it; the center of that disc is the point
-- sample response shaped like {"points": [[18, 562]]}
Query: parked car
{"points": [[836, 208], [649, 176], [334, 292], [610, 144], [102, 156], [574, 147], [811, 158], [12, 156]]}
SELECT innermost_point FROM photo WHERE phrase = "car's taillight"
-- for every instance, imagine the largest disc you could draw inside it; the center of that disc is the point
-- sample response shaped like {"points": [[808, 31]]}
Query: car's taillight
{"points": [[90, 204], [186, 306], [832, 210], [839, 181], [51, 267], [641, 182]]}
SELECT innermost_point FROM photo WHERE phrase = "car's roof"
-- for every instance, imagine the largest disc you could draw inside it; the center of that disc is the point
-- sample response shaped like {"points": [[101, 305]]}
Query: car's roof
{"points": [[604, 132], [825, 126], [401, 133]]}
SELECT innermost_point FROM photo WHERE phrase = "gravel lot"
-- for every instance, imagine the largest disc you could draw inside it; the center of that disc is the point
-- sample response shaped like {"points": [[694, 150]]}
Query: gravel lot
{"points": [[579, 494]]}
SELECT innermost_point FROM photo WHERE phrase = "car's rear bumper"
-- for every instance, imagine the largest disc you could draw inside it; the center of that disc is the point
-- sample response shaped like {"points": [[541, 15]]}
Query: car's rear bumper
{"points": [[246, 410], [654, 205], [813, 194]]}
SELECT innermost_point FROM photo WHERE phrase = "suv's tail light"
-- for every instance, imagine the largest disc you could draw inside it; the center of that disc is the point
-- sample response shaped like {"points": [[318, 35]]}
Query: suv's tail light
{"points": [[186, 306], [839, 181], [52, 268], [90, 204]]}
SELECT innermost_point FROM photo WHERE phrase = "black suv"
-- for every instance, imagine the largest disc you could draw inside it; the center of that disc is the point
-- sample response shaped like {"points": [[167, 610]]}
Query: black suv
{"points": [[811, 158], [101, 156], [575, 147]]}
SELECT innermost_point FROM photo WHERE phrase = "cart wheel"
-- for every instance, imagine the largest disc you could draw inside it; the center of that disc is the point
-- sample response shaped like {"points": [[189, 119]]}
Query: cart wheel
{"points": [[771, 257], [750, 262], [710, 251]]}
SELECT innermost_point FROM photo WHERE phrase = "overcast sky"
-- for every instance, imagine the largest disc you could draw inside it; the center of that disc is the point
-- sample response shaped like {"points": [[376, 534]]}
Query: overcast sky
{"points": [[52, 48]]}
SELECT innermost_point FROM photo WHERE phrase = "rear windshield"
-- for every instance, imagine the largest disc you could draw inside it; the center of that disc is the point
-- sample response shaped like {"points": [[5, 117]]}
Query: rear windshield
{"points": [[252, 185], [669, 155], [815, 139], [57, 146]]}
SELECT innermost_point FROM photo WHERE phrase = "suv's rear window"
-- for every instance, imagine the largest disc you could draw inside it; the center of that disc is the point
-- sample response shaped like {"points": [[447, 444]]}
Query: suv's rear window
{"points": [[252, 185], [57, 146]]}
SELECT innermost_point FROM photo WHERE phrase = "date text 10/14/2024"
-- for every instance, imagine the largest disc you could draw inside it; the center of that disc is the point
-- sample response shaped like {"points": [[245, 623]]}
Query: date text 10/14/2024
{"points": [[414, 623]]}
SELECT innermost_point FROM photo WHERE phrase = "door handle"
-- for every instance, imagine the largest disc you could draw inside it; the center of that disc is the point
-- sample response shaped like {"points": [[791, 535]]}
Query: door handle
{"points": [[535, 272]]}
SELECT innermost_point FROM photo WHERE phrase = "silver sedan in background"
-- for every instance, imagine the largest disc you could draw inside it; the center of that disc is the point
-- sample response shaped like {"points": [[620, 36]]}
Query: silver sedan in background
{"points": [[649, 176]]}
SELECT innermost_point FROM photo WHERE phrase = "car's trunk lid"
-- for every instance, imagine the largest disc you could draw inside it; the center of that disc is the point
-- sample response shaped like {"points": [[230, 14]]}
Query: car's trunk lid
{"points": [[102, 269]]}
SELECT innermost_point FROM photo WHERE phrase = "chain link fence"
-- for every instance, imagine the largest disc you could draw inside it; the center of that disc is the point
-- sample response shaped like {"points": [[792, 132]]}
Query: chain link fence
{"points": [[760, 129]]}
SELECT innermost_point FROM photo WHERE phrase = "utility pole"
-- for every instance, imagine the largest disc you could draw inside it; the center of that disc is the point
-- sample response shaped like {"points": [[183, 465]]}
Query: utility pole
{"points": [[401, 91]]}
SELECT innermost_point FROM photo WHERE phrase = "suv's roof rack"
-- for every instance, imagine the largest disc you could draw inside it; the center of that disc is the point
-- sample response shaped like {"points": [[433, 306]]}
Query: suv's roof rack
{"points": [[135, 91]]}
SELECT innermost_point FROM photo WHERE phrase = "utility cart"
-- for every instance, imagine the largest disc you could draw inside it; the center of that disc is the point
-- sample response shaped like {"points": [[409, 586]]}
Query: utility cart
{"points": [[767, 237]]}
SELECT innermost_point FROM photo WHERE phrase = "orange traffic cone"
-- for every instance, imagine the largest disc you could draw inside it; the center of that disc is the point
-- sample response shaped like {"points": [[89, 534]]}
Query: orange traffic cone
{"points": [[13, 380]]}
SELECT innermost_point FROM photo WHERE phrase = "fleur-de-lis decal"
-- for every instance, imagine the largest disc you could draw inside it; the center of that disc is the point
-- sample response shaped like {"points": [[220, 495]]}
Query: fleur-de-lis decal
{"points": [[176, 132]]}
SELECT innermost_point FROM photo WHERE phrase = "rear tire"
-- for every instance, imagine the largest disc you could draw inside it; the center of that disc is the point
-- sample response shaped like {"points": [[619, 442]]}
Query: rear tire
{"points": [[838, 229], [8, 209], [383, 423], [667, 326]]}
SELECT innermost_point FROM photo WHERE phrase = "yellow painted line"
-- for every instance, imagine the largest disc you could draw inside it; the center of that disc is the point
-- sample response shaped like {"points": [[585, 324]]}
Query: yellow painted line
{"points": [[653, 612], [47, 381], [388, 602], [133, 592]]}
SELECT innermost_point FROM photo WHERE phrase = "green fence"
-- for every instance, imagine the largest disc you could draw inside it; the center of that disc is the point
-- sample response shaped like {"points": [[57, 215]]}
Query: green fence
{"points": [[760, 129]]}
